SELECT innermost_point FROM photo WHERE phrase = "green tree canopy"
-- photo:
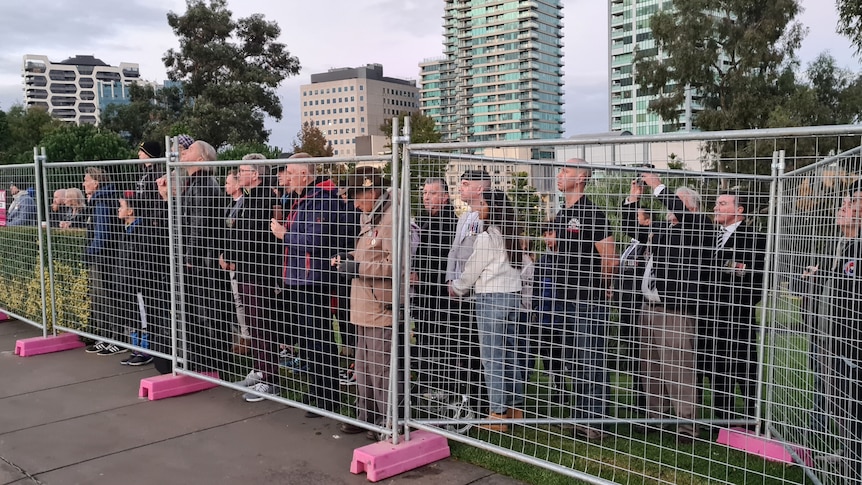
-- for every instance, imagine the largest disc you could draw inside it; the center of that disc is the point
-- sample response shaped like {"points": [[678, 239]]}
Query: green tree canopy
{"points": [[151, 114], [26, 128], [230, 70], [78, 143], [312, 141], [732, 53], [236, 152], [850, 21]]}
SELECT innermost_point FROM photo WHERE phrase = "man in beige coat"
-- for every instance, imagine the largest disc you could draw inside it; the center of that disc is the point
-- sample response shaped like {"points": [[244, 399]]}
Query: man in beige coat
{"points": [[370, 266]]}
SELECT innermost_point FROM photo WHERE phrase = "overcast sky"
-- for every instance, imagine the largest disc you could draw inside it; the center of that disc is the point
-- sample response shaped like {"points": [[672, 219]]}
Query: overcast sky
{"points": [[325, 34]]}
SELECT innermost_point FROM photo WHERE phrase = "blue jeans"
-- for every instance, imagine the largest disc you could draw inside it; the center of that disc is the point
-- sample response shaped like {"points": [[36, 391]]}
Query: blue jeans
{"points": [[585, 328], [497, 322]]}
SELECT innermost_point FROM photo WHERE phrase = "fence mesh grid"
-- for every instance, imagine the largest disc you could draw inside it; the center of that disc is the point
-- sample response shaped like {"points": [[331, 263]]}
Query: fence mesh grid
{"points": [[573, 305]]}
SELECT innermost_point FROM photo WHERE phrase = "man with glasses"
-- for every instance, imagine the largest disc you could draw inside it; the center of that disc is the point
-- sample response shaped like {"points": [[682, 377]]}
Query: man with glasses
{"points": [[252, 251]]}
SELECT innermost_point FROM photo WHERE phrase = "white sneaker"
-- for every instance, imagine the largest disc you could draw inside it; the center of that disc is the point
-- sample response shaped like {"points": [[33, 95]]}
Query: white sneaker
{"points": [[257, 392], [251, 379]]}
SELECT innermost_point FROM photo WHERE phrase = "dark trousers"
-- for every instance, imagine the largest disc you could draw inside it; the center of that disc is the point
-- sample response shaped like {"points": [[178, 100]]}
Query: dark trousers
{"points": [[266, 332], [208, 336], [728, 345], [308, 308], [103, 314], [847, 402]]}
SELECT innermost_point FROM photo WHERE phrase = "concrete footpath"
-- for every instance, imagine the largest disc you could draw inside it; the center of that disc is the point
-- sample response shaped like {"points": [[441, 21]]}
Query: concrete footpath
{"points": [[72, 418]]}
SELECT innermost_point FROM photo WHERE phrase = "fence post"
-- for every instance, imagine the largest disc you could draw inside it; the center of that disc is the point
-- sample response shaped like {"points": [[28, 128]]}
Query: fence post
{"points": [[38, 159]]}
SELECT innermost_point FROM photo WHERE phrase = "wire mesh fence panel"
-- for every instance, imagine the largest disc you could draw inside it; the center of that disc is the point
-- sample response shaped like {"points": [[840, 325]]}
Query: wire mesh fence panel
{"points": [[814, 400], [108, 251], [20, 268], [612, 312], [286, 270]]}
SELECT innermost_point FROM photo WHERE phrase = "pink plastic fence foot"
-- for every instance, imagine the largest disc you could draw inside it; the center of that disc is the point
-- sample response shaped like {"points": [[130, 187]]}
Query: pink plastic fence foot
{"points": [[168, 385], [382, 460], [45, 345], [742, 439], [3, 317]]}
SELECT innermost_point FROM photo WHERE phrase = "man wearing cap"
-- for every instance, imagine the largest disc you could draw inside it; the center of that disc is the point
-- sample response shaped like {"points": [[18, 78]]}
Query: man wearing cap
{"points": [[735, 284], [838, 284], [371, 270], [587, 264], [22, 210], [317, 226], [473, 183], [461, 319]]}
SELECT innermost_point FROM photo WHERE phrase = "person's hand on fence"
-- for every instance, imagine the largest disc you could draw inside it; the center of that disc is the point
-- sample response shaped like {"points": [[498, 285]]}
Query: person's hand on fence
{"points": [[809, 271]]}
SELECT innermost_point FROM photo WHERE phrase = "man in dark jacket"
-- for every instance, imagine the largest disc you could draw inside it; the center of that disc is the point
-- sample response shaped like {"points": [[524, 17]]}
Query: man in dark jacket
{"points": [[100, 259], [201, 202], [735, 282], [318, 226], [251, 251], [437, 229], [838, 286], [672, 287]]}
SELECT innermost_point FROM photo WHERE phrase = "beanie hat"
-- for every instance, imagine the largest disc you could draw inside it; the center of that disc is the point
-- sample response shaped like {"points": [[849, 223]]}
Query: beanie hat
{"points": [[152, 149]]}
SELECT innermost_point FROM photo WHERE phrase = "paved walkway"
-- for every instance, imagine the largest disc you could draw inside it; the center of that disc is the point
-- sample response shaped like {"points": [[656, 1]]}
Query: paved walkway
{"points": [[72, 418]]}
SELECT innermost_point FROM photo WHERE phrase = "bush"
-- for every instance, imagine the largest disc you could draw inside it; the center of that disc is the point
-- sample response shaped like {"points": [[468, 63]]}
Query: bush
{"points": [[20, 283]]}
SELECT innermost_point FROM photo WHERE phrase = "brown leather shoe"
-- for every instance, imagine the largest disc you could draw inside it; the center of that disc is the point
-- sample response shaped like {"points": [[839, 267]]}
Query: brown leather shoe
{"points": [[513, 413], [496, 427]]}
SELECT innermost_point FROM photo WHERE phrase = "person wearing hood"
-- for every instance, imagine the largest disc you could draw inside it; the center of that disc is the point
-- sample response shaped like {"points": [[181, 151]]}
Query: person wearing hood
{"points": [[22, 210]]}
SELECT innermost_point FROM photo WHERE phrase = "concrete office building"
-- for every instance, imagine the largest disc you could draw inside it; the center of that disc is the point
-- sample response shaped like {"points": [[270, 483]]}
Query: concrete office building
{"points": [[629, 34], [76, 89], [350, 103], [501, 77]]}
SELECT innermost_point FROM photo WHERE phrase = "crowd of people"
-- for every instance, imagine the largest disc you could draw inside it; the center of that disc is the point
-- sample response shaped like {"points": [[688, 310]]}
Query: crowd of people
{"points": [[274, 257]]}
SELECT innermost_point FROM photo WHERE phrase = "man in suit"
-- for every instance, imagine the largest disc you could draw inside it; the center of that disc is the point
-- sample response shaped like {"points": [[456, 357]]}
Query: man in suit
{"points": [[729, 333], [839, 285], [672, 287]]}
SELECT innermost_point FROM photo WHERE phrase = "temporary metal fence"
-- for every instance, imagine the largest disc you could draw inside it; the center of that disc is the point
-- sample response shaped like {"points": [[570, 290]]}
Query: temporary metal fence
{"points": [[555, 359]]}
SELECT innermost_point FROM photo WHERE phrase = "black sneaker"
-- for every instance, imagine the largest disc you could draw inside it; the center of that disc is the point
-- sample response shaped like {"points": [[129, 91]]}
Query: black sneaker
{"points": [[111, 350], [140, 359], [95, 348], [128, 359]]}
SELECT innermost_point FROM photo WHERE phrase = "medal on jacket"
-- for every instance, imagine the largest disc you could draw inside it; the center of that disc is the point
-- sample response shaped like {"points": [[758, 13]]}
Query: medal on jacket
{"points": [[374, 238]]}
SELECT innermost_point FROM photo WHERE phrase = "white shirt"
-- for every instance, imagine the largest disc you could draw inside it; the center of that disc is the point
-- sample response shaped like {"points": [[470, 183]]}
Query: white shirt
{"points": [[488, 268]]}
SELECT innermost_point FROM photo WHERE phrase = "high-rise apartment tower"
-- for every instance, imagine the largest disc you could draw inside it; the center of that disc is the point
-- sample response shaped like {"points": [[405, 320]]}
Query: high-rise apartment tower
{"points": [[77, 89], [630, 34], [501, 77]]}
